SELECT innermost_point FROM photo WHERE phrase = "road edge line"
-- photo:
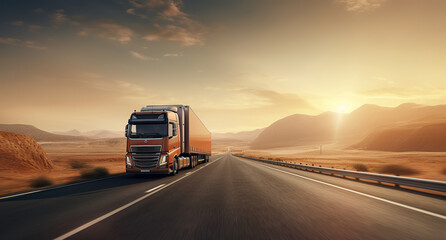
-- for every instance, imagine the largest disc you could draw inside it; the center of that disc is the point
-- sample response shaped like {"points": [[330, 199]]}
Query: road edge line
{"points": [[359, 193]]}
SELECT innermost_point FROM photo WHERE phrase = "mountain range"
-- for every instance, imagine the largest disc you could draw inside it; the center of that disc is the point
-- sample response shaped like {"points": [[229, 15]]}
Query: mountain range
{"points": [[408, 127], [92, 134]]}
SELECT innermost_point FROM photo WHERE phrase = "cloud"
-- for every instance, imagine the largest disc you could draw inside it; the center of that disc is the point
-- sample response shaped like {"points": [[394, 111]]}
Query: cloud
{"points": [[254, 100], [171, 23], [282, 100], [39, 10], [59, 17], [361, 5], [115, 32], [110, 31], [118, 89], [176, 34], [132, 12], [172, 54], [33, 27], [166, 9], [142, 57], [21, 43], [404, 93], [17, 23]]}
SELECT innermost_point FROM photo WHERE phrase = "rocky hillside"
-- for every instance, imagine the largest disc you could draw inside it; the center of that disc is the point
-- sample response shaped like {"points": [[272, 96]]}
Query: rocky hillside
{"points": [[427, 138], [22, 153]]}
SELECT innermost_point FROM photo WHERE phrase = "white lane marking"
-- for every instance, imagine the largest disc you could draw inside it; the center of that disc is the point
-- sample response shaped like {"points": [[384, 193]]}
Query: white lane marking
{"points": [[62, 186], [360, 193], [152, 191]]}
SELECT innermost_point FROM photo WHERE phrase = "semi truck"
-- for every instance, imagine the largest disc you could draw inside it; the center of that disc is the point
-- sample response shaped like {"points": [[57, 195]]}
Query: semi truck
{"points": [[163, 139]]}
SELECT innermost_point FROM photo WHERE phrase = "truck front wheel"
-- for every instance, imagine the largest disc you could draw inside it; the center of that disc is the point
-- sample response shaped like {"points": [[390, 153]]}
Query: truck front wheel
{"points": [[175, 168]]}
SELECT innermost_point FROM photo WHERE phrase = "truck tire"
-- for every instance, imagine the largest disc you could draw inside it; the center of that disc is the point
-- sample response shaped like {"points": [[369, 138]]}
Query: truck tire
{"points": [[191, 159], [175, 168]]}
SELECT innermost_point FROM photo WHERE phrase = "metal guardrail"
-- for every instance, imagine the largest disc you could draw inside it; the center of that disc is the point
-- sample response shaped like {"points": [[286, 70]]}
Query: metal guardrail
{"points": [[397, 180]]}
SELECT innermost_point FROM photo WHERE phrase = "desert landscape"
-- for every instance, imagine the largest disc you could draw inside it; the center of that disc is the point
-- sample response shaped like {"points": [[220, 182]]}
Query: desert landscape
{"points": [[32, 156], [408, 140]]}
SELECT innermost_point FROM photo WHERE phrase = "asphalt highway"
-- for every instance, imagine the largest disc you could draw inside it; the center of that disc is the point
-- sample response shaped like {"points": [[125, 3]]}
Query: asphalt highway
{"points": [[227, 198]]}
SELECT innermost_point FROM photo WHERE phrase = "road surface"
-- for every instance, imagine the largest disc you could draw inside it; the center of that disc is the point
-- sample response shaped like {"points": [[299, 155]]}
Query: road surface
{"points": [[227, 198]]}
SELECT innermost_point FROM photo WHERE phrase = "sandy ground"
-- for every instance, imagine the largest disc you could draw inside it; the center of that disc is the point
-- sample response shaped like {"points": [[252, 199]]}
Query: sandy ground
{"points": [[108, 154], [430, 165]]}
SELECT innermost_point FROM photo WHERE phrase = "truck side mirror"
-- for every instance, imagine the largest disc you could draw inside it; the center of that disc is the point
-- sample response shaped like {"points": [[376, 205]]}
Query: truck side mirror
{"points": [[174, 130], [126, 130]]}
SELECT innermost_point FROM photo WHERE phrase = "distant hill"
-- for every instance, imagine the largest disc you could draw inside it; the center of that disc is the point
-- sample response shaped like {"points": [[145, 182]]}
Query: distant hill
{"points": [[39, 135], [240, 136], [369, 118], [297, 130], [428, 138], [93, 134], [368, 127], [21, 152]]}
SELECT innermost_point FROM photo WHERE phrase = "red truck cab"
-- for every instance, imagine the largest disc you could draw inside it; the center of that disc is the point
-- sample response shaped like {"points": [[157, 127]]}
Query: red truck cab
{"points": [[164, 139]]}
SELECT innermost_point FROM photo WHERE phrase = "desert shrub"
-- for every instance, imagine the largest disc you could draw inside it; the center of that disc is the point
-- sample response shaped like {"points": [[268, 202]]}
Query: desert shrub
{"points": [[277, 159], [41, 181], [361, 167], [397, 170], [75, 164], [96, 172]]}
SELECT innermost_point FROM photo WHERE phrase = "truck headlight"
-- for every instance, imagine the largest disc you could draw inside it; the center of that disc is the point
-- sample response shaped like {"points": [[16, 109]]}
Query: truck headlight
{"points": [[163, 159], [128, 161]]}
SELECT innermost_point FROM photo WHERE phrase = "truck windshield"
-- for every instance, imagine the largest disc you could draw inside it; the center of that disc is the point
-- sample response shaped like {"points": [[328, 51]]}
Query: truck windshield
{"points": [[155, 130]]}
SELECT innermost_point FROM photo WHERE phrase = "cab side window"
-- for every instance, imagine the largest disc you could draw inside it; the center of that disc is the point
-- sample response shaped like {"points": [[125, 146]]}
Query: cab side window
{"points": [[172, 129]]}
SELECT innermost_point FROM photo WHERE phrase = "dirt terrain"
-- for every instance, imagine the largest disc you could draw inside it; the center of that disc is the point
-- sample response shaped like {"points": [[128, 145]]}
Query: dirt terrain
{"points": [[429, 165], [68, 159], [22, 153]]}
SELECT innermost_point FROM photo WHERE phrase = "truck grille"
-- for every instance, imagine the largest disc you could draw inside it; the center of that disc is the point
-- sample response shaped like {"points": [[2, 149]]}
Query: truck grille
{"points": [[145, 160], [146, 149]]}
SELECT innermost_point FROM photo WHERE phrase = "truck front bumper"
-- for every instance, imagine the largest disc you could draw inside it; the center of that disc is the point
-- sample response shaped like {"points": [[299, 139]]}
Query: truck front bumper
{"points": [[149, 171]]}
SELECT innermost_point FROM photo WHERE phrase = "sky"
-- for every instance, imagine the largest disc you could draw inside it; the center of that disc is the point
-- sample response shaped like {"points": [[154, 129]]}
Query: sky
{"points": [[240, 64]]}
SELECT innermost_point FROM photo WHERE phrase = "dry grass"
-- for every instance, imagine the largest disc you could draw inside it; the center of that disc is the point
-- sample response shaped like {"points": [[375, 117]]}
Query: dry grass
{"points": [[397, 170], [41, 181], [97, 172], [76, 164], [361, 167]]}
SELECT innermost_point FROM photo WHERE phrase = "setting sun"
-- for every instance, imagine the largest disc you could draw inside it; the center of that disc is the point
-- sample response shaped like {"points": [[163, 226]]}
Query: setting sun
{"points": [[342, 108]]}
